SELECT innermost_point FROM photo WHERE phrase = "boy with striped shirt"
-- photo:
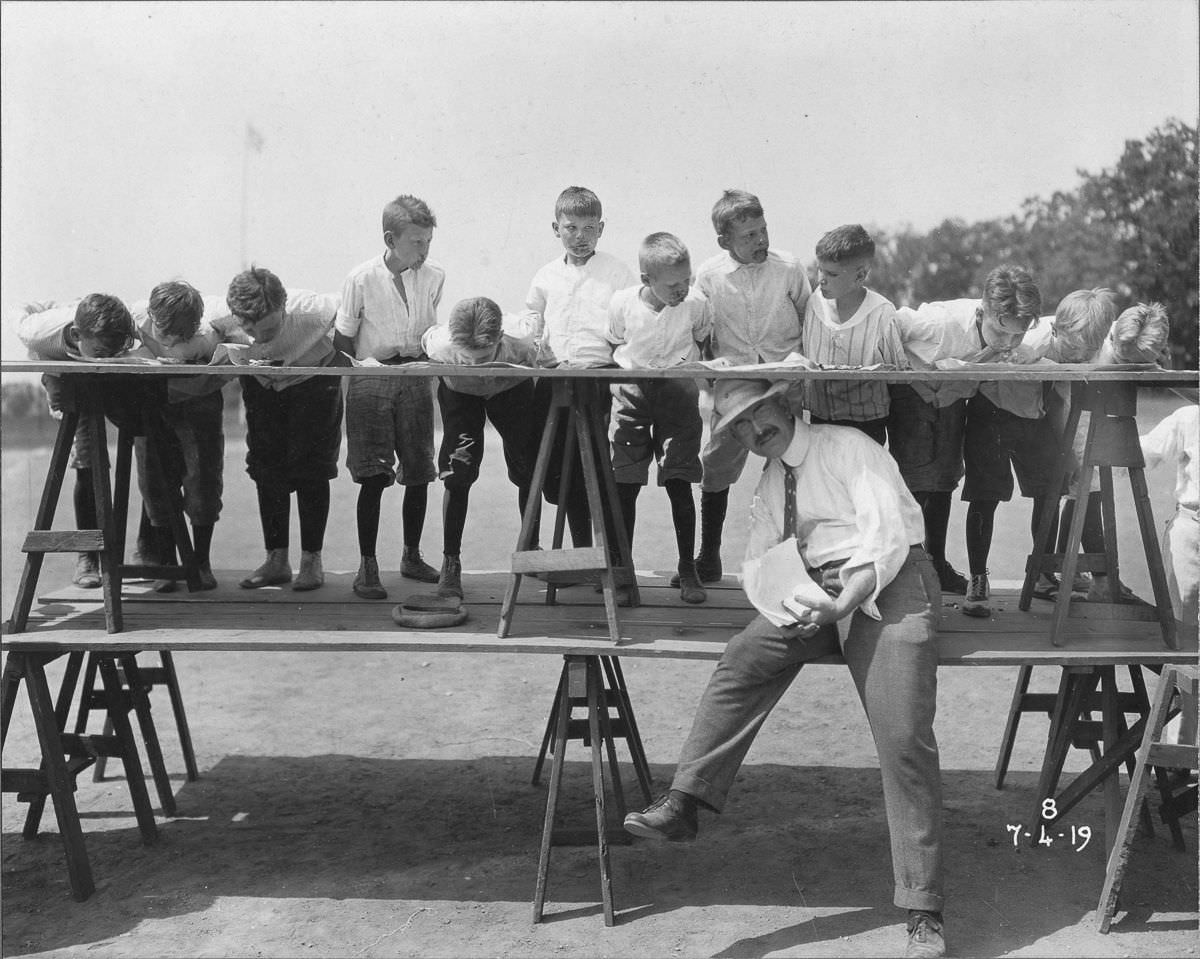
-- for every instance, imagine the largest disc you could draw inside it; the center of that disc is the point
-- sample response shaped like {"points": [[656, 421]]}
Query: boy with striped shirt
{"points": [[849, 325]]}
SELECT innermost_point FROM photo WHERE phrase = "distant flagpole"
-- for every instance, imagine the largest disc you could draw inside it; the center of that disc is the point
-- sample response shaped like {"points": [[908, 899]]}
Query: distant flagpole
{"points": [[253, 141]]}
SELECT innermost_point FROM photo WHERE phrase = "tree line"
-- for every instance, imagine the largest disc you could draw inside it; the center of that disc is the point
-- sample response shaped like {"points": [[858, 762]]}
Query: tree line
{"points": [[1132, 228]]}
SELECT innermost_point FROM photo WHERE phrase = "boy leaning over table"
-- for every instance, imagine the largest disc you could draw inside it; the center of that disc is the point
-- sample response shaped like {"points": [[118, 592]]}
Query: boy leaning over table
{"points": [[928, 427], [1138, 335], [474, 335], [1074, 334], [293, 422], [99, 326]]}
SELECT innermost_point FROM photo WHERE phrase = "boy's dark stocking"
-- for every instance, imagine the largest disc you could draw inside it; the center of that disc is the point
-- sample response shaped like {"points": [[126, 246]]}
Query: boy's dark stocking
{"points": [[627, 495], [413, 514], [370, 495], [84, 497], [935, 508], [202, 543], [713, 507], [683, 517], [312, 503], [274, 511], [579, 515], [981, 519], [454, 518]]}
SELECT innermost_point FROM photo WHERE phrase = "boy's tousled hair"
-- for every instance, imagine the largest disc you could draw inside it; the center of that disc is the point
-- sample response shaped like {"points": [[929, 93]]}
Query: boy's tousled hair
{"points": [[1084, 317], [475, 323], [849, 242], [106, 321], [1139, 335], [407, 210], [176, 308], [1010, 293], [661, 249], [255, 293], [577, 201], [734, 205]]}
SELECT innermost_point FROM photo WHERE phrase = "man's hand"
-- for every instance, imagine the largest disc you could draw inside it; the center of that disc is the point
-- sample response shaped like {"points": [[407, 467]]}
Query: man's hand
{"points": [[831, 580]]}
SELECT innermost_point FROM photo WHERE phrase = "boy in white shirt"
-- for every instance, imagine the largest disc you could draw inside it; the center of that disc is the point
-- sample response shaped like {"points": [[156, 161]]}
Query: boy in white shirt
{"points": [[473, 336], [849, 325], [758, 296], [293, 422], [97, 326], [567, 317], [387, 305], [926, 431], [657, 325]]}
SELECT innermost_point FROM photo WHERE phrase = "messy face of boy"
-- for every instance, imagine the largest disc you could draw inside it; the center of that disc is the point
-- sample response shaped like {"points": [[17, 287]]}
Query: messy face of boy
{"points": [[838, 280], [96, 346], [265, 328], [746, 240], [666, 285], [1000, 333], [408, 249], [579, 236]]}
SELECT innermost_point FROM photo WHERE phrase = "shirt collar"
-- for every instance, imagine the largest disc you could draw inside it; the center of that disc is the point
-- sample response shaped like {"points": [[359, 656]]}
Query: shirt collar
{"points": [[797, 451]]}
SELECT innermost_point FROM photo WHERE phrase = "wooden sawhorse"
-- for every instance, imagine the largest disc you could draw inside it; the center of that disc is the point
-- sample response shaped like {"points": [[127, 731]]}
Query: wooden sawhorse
{"points": [[1176, 683], [112, 509], [1111, 441], [65, 755], [583, 684], [578, 400]]}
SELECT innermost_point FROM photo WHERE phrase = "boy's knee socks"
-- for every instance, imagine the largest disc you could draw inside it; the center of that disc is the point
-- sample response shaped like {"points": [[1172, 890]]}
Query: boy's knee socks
{"points": [[683, 517], [713, 507], [412, 514]]}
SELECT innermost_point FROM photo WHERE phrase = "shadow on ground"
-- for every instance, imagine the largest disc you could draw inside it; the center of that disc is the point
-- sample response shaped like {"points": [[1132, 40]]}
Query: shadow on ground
{"points": [[337, 827]]}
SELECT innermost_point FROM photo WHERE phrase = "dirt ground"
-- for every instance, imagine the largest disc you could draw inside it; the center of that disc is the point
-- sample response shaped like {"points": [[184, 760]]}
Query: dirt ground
{"points": [[380, 804]]}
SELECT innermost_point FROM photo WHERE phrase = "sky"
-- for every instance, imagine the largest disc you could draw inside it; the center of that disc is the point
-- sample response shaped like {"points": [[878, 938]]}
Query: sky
{"points": [[125, 158]]}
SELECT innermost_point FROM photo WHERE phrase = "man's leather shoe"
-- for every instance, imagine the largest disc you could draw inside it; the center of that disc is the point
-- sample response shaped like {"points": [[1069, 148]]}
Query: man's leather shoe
{"points": [[667, 818], [926, 935]]}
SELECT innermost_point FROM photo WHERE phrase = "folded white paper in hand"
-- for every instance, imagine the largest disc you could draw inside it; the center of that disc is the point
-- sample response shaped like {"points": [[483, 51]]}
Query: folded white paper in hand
{"points": [[777, 575]]}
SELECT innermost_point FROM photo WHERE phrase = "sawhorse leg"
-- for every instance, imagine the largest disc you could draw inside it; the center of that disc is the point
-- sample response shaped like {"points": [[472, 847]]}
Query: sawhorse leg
{"points": [[53, 776], [582, 680], [1181, 681], [134, 695], [615, 695], [1077, 688]]}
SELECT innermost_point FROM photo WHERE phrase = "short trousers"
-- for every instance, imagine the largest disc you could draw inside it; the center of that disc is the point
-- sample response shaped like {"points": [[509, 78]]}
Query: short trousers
{"points": [[389, 429], [659, 420], [926, 441], [293, 436], [543, 400], [994, 438], [198, 429], [463, 417], [125, 399]]}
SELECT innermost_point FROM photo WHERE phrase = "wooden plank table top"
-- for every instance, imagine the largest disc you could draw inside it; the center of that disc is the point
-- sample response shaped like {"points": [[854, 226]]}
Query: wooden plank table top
{"points": [[663, 627], [1142, 374]]}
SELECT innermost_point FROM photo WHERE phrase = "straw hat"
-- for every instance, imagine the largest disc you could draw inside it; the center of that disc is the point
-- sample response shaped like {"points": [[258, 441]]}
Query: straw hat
{"points": [[732, 398]]}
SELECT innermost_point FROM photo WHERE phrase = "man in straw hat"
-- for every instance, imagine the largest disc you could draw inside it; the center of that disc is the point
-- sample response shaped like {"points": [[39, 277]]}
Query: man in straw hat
{"points": [[858, 531]]}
